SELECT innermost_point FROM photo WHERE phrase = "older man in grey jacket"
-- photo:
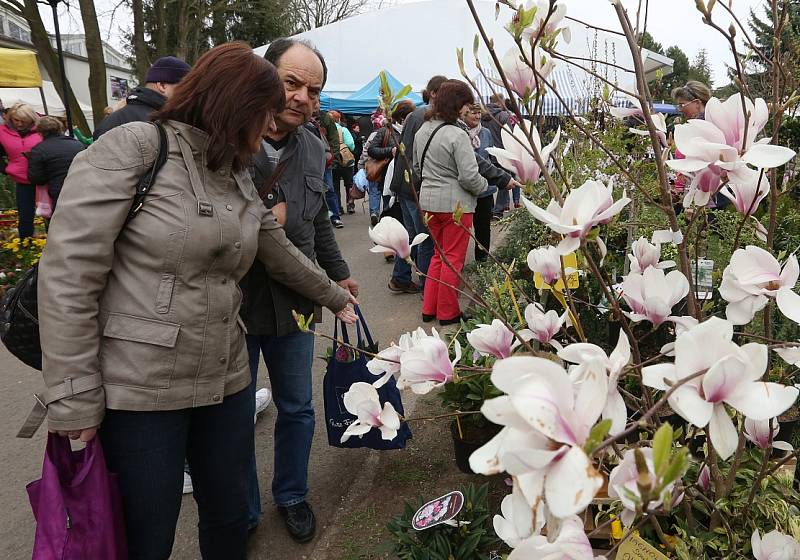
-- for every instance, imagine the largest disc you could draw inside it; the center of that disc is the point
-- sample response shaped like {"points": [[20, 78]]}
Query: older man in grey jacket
{"points": [[288, 173]]}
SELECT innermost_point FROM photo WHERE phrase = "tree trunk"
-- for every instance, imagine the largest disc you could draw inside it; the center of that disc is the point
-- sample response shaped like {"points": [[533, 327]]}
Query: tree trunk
{"points": [[98, 87], [184, 21], [49, 59], [160, 27], [139, 46]]}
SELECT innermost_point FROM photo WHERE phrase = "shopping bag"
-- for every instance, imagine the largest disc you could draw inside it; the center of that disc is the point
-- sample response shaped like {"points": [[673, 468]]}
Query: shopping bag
{"points": [[44, 204], [77, 505], [360, 180], [346, 367]]}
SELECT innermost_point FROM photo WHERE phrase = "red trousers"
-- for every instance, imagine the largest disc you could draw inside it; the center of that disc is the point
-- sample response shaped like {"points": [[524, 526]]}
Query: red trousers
{"points": [[451, 243]]}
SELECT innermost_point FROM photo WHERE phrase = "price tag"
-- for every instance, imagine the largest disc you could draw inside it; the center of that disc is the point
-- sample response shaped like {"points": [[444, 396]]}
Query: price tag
{"points": [[438, 511], [635, 548], [570, 261]]}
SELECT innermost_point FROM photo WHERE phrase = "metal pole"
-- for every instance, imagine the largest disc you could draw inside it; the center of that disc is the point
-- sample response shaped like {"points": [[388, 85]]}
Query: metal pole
{"points": [[54, 5]]}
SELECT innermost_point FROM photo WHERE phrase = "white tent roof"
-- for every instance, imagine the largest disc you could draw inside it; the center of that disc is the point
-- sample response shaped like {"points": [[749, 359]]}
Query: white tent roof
{"points": [[33, 97], [426, 35]]}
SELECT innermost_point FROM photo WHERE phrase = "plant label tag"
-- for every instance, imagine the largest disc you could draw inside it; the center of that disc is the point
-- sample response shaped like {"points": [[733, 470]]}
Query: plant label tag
{"points": [[573, 280], [635, 548], [438, 511]]}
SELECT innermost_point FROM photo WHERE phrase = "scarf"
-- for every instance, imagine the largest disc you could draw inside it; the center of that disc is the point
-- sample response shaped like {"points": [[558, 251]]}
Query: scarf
{"points": [[474, 133]]}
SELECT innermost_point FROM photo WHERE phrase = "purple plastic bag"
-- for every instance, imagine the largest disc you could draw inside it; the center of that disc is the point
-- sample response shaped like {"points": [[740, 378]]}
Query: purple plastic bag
{"points": [[77, 505]]}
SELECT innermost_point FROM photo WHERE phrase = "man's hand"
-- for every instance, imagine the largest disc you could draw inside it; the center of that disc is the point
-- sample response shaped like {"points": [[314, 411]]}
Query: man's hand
{"points": [[347, 316], [85, 436], [350, 285], [514, 184]]}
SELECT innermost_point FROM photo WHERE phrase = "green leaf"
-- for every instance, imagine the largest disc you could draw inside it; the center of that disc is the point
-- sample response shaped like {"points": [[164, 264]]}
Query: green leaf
{"points": [[475, 44], [676, 468], [662, 445], [402, 93], [387, 91], [597, 435]]}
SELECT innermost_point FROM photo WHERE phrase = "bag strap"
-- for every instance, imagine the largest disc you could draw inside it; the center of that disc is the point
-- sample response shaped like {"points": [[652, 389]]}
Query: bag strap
{"points": [[270, 183], [386, 134], [428, 145], [68, 388], [363, 321], [146, 181]]}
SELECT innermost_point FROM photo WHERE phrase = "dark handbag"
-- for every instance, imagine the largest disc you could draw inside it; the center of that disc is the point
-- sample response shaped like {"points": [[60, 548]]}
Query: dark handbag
{"points": [[356, 193], [376, 167], [344, 369], [77, 505], [19, 312]]}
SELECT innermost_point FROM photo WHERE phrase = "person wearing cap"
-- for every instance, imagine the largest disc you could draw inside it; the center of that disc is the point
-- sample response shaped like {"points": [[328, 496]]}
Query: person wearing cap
{"points": [[160, 82]]}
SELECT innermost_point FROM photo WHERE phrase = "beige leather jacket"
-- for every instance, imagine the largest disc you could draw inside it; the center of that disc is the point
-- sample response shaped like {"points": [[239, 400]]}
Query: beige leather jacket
{"points": [[144, 316]]}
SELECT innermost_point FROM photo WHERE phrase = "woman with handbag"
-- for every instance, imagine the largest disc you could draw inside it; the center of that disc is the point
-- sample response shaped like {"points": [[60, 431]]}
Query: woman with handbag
{"points": [[445, 160], [18, 136], [139, 311], [50, 160]]}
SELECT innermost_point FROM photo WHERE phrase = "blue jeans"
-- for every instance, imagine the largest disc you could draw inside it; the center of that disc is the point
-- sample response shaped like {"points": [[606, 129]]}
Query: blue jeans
{"points": [[147, 451], [375, 191], [334, 207], [289, 359], [503, 200], [414, 225]]}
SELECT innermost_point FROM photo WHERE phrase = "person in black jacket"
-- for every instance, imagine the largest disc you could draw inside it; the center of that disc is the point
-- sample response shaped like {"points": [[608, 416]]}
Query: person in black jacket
{"points": [[49, 161], [160, 82]]}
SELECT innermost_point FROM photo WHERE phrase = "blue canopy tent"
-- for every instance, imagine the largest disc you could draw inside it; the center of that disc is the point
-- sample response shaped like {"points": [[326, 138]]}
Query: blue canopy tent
{"points": [[365, 100]]}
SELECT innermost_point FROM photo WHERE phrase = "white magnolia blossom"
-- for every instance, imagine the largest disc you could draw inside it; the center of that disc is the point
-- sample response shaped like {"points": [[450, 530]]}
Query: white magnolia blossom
{"points": [[584, 208], [542, 326], [546, 421], [389, 235], [516, 154], [570, 543], [492, 340], [623, 485], [518, 520], [752, 277], [645, 254], [652, 294], [790, 354], [547, 262], [590, 358], [427, 365], [730, 375], [543, 25], [774, 546], [759, 432], [362, 401]]}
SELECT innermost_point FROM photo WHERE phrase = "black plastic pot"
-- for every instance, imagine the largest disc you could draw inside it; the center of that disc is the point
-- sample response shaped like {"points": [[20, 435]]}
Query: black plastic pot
{"points": [[463, 448]]}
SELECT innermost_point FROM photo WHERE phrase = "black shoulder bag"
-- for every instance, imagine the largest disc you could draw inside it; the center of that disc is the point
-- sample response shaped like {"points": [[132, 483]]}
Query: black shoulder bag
{"points": [[19, 311]]}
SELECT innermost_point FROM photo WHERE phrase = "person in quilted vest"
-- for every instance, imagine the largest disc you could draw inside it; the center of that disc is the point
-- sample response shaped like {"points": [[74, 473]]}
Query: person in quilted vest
{"points": [[18, 136]]}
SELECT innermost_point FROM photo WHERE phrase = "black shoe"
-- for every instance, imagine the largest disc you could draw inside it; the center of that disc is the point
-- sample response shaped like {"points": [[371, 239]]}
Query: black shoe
{"points": [[454, 321], [351, 208], [428, 318], [300, 521], [337, 224], [403, 287], [374, 219]]}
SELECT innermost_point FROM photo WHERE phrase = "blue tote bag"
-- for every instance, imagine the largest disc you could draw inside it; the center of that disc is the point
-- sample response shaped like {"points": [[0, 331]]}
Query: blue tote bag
{"points": [[346, 367]]}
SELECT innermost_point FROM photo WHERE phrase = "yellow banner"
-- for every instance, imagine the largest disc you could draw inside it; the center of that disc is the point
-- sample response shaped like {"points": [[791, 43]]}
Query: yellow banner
{"points": [[19, 69], [570, 261]]}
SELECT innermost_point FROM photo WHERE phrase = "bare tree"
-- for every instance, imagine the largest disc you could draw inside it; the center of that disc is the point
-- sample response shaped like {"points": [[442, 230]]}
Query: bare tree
{"points": [[29, 9], [98, 88], [140, 54], [310, 14]]}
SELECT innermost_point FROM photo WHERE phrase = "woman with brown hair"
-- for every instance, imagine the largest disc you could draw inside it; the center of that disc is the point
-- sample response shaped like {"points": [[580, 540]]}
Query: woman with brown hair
{"points": [[139, 313], [444, 160]]}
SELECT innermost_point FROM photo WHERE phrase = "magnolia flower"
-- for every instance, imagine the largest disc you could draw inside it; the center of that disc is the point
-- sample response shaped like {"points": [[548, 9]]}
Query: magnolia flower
{"points": [[719, 139], [758, 431], [571, 543], [774, 546], [746, 188], [589, 358], [752, 277], [623, 484], [658, 119], [584, 207], [731, 375], [704, 479], [645, 254], [542, 326], [495, 339], [518, 522], [389, 235], [362, 401], [704, 184], [547, 262], [387, 362], [790, 354], [427, 365], [521, 77], [516, 154], [539, 26], [651, 294], [546, 422]]}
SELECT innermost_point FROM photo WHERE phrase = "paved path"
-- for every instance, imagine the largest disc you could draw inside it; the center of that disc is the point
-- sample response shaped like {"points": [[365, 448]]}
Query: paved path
{"points": [[333, 471]]}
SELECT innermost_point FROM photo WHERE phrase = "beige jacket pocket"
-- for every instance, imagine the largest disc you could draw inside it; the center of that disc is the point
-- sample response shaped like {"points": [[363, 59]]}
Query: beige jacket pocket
{"points": [[138, 351]]}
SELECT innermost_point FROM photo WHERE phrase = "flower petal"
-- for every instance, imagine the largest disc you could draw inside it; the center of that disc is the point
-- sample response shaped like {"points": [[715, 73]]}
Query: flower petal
{"points": [[571, 484], [722, 432], [767, 156]]}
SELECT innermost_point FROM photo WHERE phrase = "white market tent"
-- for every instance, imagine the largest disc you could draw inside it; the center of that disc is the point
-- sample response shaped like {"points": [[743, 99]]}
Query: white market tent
{"points": [[33, 97], [417, 40]]}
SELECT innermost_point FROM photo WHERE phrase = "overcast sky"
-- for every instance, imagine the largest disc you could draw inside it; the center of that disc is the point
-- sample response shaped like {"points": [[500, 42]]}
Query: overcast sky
{"points": [[671, 22]]}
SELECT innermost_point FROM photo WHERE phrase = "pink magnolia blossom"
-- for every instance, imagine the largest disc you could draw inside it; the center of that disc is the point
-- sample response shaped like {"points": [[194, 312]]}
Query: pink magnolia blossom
{"points": [[494, 340], [731, 377], [517, 153], [645, 254], [427, 365], [362, 401], [589, 359], [570, 543], [390, 235], [387, 362], [746, 188], [542, 326], [521, 77], [752, 277], [547, 262], [774, 546], [704, 479], [651, 294], [623, 484], [546, 422], [584, 208], [759, 432], [550, 26]]}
